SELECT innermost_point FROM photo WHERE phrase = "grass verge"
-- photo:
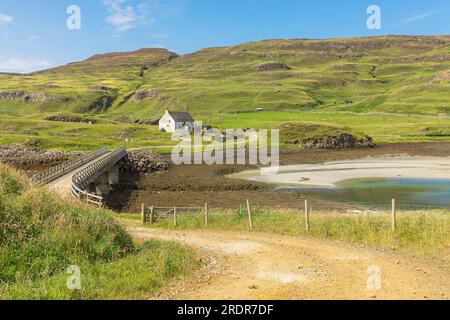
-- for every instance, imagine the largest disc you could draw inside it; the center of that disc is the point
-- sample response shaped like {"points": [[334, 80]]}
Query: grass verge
{"points": [[42, 235], [418, 232], [137, 276]]}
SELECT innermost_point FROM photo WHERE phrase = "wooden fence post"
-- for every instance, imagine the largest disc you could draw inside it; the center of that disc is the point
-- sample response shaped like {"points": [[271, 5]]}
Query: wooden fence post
{"points": [[394, 215], [206, 214], [249, 211], [152, 214], [306, 216], [175, 216], [143, 216]]}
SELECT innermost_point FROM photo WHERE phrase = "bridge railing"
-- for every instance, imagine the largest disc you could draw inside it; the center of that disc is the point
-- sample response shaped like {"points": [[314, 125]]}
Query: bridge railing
{"points": [[82, 179], [62, 169]]}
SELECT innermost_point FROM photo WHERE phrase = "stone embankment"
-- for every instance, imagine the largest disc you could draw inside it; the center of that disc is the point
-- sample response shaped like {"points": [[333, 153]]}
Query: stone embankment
{"points": [[23, 157], [142, 162], [343, 141], [61, 118], [28, 158]]}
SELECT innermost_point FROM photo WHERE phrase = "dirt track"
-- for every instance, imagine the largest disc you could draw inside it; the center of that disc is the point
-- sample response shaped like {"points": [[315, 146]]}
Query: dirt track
{"points": [[262, 266]]}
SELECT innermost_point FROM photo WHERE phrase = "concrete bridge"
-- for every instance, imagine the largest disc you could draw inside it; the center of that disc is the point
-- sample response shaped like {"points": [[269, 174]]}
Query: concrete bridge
{"points": [[87, 178]]}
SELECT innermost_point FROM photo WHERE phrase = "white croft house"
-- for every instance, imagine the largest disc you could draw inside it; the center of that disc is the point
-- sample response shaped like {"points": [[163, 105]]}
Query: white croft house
{"points": [[175, 121]]}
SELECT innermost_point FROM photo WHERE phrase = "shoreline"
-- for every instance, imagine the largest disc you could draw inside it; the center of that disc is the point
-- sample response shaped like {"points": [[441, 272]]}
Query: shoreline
{"points": [[328, 174], [210, 183]]}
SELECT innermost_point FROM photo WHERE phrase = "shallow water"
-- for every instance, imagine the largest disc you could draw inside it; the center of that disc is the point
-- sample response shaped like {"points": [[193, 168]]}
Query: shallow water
{"points": [[409, 193]]}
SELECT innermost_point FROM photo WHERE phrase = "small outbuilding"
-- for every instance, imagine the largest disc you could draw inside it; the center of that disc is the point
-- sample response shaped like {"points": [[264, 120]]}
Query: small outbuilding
{"points": [[176, 121]]}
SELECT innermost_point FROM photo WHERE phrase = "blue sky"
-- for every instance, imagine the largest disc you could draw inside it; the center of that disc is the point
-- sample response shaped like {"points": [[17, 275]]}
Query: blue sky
{"points": [[33, 34]]}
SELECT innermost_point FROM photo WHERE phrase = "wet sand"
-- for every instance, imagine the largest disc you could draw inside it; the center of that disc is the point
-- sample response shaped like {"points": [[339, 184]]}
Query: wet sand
{"points": [[330, 173], [194, 185]]}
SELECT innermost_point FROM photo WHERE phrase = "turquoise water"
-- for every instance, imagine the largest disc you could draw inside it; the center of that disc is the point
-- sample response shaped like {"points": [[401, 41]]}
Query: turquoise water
{"points": [[410, 193]]}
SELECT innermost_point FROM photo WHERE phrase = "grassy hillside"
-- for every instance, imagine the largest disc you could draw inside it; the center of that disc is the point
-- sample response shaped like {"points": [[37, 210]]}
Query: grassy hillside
{"points": [[360, 83], [383, 74], [41, 236], [90, 86], [400, 74]]}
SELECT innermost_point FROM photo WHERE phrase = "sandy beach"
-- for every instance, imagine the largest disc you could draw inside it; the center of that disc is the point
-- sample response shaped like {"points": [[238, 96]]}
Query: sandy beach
{"points": [[328, 174]]}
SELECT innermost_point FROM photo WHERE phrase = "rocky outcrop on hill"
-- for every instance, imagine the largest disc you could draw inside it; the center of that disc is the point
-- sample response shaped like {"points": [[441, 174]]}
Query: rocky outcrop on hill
{"points": [[153, 94], [314, 136], [142, 162], [272, 66], [125, 99], [102, 88], [25, 157], [423, 58], [102, 104], [144, 94], [343, 141], [443, 76], [25, 96], [145, 122], [47, 86], [60, 118]]}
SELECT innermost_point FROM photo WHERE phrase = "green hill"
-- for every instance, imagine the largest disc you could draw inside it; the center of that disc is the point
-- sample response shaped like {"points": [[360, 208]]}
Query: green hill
{"points": [[401, 74], [90, 86], [383, 74], [332, 82]]}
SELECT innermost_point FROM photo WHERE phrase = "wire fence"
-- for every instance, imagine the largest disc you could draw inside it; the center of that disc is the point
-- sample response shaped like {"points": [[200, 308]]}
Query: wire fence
{"points": [[248, 213], [317, 206]]}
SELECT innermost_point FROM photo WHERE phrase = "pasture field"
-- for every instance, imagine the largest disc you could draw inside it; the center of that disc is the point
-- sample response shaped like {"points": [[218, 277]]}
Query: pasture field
{"points": [[392, 88], [383, 128]]}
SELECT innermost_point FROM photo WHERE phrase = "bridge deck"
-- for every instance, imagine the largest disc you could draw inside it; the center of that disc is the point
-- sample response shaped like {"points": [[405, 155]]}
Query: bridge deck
{"points": [[62, 185]]}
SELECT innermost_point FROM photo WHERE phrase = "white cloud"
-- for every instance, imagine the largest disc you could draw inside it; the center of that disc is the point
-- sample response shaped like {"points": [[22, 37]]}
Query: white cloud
{"points": [[23, 65], [157, 45], [124, 16], [5, 19], [417, 17]]}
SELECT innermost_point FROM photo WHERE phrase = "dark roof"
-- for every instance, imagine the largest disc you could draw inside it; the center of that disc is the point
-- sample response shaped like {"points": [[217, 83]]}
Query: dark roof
{"points": [[181, 116]]}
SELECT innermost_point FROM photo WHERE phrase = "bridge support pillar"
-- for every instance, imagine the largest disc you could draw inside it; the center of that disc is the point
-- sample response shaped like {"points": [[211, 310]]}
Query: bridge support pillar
{"points": [[113, 175], [102, 184], [91, 188]]}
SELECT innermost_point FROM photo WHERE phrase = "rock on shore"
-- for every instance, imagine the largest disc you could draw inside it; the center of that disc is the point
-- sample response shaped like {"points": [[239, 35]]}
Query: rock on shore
{"points": [[343, 141], [26, 157], [314, 136], [142, 162], [31, 157]]}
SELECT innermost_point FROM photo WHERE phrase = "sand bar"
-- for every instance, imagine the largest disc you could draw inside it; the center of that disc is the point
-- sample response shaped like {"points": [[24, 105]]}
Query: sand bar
{"points": [[328, 174]]}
